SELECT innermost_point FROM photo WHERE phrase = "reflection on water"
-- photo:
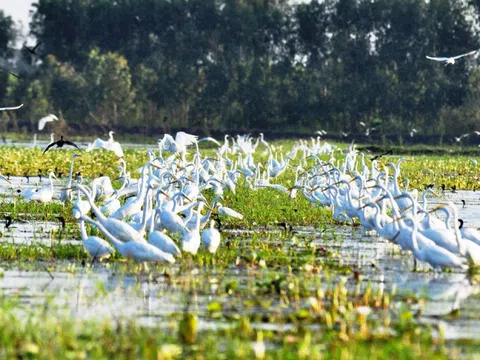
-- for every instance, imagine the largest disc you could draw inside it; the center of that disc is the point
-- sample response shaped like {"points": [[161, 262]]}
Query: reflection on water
{"points": [[100, 291]]}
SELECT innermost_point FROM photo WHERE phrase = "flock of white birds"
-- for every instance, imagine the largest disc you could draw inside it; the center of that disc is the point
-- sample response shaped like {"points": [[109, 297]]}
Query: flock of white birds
{"points": [[166, 202], [168, 187]]}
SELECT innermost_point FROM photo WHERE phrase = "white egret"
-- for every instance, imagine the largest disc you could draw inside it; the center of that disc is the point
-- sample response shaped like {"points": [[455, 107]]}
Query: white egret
{"points": [[191, 239], [451, 60], [226, 211], [170, 221], [469, 233], [11, 108], [109, 145], [96, 247], [43, 194], [117, 228], [425, 250], [162, 241], [179, 144], [46, 119], [80, 207], [109, 207], [138, 251], [66, 194], [211, 238]]}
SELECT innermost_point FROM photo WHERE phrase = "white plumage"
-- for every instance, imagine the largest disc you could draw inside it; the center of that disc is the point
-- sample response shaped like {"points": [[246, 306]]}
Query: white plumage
{"points": [[109, 145], [43, 121], [211, 238], [11, 108], [451, 60], [182, 140]]}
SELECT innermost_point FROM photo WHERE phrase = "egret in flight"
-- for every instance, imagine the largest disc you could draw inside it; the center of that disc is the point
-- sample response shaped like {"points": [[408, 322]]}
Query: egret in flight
{"points": [[451, 60], [43, 121], [11, 108]]}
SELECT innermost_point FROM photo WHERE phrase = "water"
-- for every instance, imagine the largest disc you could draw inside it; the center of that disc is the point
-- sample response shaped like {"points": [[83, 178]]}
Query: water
{"points": [[103, 291]]}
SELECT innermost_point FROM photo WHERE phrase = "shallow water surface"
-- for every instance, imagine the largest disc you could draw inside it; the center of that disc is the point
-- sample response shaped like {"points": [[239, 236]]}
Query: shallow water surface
{"points": [[102, 291]]}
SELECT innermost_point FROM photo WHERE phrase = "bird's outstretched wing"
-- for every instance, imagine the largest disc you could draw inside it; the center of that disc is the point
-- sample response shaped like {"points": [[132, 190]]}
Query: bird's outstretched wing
{"points": [[11, 108], [49, 146], [208, 138], [36, 46], [11, 73], [437, 58], [71, 143], [185, 138], [43, 121], [167, 141], [466, 54]]}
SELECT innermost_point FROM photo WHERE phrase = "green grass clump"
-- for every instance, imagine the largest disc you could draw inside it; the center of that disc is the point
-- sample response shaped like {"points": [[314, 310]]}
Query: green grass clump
{"points": [[39, 252]]}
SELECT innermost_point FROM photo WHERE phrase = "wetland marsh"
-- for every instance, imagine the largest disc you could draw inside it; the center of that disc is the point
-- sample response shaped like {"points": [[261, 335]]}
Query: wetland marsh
{"points": [[287, 281]]}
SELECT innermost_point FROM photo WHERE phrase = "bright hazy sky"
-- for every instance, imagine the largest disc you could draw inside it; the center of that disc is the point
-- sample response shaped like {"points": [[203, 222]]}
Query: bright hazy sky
{"points": [[17, 9]]}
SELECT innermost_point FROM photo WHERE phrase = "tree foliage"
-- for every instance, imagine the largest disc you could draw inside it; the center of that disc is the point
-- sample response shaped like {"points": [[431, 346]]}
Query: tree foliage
{"points": [[254, 64]]}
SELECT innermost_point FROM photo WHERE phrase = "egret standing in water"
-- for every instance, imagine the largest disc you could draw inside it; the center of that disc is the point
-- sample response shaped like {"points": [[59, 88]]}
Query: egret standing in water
{"points": [[96, 247], [211, 238], [138, 251], [43, 194]]}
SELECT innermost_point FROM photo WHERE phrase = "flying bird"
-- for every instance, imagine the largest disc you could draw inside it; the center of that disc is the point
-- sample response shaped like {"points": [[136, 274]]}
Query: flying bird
{"points": [[376, 157], [11, 108], [110, 145], [43, 121], [451, 60], [11, 73], [60, 143], [32, 51], [458, 139]]}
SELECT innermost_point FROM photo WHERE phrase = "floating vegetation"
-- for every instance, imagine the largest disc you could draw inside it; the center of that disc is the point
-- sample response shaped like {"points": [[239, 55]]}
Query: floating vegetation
{"points": [[287, 281]]}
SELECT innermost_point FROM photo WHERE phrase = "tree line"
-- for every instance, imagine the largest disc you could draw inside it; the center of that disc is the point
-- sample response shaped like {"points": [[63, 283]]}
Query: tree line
{"points": [[246, 65]]}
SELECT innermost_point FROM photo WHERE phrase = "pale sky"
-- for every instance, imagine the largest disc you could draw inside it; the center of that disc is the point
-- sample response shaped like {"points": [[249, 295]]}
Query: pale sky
{"points": [[17, 9]]}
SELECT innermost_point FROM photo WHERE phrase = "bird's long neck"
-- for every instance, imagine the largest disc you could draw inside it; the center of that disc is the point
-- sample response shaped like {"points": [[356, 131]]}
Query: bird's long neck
{"points": [[94, 207], [147, 204], [199, 209], [206, 216], [83, 230], [414, 236], [458, 235], [70, 174], [152, 222], [395, 211], [118, 244], [395, 179], [376, 215], [51, 181]]}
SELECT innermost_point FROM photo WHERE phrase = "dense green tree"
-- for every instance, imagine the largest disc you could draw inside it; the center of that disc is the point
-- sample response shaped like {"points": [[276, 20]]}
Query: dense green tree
{"points": [[109, 94], [255, 64]]}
